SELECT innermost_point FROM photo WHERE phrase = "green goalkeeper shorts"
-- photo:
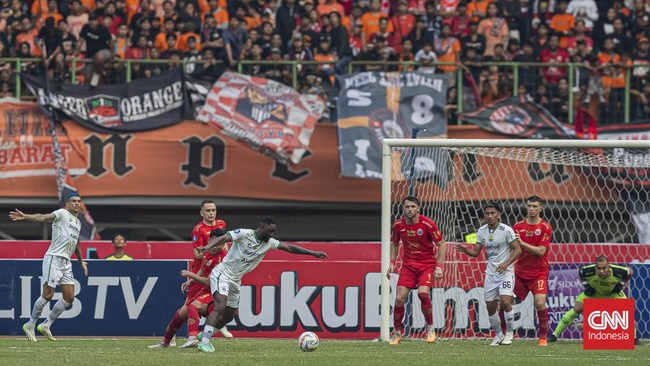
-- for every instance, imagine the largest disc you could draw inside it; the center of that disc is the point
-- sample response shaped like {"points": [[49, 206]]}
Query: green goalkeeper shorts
{"points": [[619, 295]]}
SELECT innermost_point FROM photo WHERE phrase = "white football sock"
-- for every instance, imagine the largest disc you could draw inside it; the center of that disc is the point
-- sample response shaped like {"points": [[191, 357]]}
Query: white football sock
{"points": [[510, 320], [58, 308], [495, 322], [38, 309], [208, 331]]}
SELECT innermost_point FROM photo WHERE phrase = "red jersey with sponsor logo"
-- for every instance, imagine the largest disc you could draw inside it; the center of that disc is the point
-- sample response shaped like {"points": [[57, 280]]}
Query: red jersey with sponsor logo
{"points": [[539, 235], [200, 237], [418, 241], [208, 262]]}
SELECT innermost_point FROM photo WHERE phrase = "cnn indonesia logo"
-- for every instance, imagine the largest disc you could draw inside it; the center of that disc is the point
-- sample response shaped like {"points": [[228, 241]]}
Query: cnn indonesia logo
{"points": [[609, 324]]}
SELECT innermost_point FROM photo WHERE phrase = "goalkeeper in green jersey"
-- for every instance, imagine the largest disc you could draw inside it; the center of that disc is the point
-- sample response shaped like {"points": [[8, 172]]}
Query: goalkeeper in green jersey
{"points": [[602, 280]]}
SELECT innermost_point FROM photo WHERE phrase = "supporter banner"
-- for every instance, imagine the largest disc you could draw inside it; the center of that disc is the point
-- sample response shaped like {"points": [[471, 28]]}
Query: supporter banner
{"points": [[139, 105], [266, 115], [518, 116], [192, 159], [197, 91], [377, 105]]}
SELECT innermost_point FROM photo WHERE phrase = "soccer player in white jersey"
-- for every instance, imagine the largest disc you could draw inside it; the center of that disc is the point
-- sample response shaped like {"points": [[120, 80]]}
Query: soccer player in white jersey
{"points": [[246, 252], [57, 269], [502, 250]]}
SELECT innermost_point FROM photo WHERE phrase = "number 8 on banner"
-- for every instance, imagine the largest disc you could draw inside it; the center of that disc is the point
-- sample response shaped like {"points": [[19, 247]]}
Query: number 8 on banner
{"points": [[422, 106]]}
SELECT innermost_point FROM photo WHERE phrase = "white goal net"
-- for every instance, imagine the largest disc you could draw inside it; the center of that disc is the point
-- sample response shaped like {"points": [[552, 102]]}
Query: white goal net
{"points": [[596, 199]]}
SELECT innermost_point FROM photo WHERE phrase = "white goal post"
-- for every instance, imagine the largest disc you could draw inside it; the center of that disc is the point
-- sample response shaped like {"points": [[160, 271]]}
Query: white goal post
{"points": [[583, 154]]}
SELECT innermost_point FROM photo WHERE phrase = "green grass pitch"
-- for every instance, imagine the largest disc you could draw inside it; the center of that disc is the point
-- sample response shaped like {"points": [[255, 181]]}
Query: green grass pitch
{"points": [[243, 352]]}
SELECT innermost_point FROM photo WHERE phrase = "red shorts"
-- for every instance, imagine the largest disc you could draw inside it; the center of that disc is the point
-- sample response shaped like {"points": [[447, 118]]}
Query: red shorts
{"points": [[191, 294], [412, 277], [202, 297], [536, 284]]}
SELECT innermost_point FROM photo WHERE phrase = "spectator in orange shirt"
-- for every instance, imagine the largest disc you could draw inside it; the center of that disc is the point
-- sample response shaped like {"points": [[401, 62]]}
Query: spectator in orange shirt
{"points": [[563, 22], [495, 30], [51, 11], [370, 21], [447, 48], [190, 31], [477, 9], [160, 42], [614, 78], [27, 35], [121, 42], [329, 6], [328, 59]]}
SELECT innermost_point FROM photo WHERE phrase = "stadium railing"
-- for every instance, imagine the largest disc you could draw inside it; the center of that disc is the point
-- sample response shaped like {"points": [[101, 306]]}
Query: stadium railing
{"points": [[626, 105]]}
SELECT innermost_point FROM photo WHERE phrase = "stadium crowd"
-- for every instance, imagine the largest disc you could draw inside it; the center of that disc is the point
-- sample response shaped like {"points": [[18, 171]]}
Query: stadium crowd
{"points": [[604, 37]]}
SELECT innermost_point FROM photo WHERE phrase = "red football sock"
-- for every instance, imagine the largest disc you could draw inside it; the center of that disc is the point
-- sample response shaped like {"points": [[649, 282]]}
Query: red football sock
{"points": [[542, 318], [172, 328], [192, 321], [210, 308], [425, 305], [502, 316], [398, 317]]}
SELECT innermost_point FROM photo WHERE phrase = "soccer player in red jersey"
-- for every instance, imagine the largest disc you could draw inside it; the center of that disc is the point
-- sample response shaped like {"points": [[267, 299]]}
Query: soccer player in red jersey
{"points": [[202, 302], [200, 236], [531, 269], [418, 235]]}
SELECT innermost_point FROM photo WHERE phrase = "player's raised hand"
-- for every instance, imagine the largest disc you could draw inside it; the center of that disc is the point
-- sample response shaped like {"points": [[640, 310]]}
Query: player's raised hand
{"points": [[518, 237], [321, 255], [201, 249], [16, 215], [84, 265]]}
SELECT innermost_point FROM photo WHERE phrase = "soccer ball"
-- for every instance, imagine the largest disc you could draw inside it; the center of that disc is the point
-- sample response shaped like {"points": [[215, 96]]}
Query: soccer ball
{"points": [[308, 341]]}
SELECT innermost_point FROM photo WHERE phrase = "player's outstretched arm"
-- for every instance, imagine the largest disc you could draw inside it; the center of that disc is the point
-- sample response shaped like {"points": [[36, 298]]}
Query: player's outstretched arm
{"points": [[300, 250], [473, 250], [19, 216]]}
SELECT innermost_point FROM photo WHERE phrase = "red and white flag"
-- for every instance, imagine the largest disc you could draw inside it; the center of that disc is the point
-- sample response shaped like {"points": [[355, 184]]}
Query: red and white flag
{"points": [[268, 116]]}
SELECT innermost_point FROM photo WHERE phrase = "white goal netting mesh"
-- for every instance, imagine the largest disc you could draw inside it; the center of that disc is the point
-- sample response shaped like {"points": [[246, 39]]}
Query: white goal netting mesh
{"points": [[595, 199]]}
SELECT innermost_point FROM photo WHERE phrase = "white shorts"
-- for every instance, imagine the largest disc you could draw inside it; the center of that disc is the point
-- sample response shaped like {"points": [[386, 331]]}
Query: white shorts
{"points": [[497, 285], [223, 285], [57, 271]]}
